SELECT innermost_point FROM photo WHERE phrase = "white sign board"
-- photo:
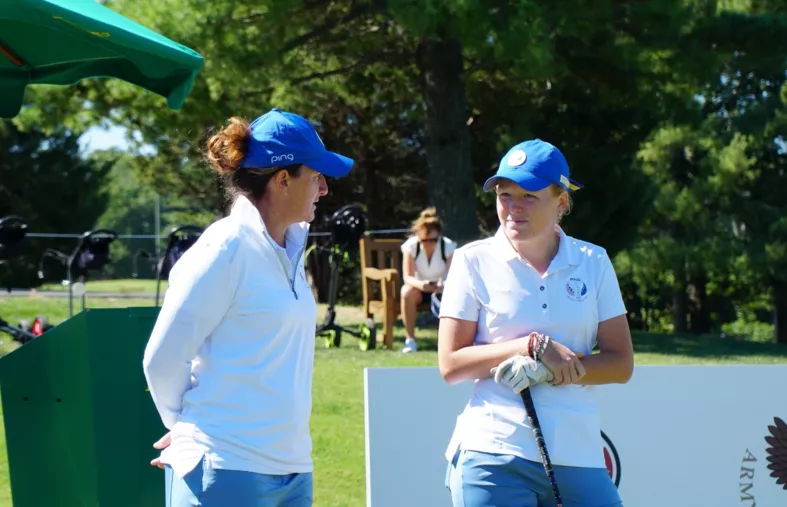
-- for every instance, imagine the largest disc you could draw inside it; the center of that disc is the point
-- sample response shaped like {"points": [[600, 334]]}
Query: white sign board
{"points": [[683, 435]]}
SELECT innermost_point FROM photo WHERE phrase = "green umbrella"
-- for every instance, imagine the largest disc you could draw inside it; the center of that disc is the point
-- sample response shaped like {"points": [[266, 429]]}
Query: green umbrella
{"points": [[60, 42]]}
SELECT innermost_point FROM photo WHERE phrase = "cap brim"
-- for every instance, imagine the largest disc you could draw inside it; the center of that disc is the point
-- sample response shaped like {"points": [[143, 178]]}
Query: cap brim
{"points": [[527, 181], [331, 164]]}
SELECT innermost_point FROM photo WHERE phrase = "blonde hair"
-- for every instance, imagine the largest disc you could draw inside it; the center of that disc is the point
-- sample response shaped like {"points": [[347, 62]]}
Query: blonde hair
{"points": [[428, 221], [557, 189]]}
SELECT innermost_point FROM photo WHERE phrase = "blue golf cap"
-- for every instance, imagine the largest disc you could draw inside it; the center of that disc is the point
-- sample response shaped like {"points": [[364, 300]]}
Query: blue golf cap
{"points": [[279, 138], [534, 165]]}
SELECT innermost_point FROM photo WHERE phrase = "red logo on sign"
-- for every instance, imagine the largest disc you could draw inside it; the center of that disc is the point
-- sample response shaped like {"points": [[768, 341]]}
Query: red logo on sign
{"points": [[611, 459]]}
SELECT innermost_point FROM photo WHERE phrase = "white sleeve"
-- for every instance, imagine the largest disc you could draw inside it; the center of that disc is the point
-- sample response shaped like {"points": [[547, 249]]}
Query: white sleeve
{"points": [[450, 247], [459, 296], [201, 289], [610, 301], [409, 246]]}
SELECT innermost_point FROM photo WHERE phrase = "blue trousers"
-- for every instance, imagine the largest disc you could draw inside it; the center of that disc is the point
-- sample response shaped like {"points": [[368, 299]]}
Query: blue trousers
{"points": [[205, 486], [479, 479]]}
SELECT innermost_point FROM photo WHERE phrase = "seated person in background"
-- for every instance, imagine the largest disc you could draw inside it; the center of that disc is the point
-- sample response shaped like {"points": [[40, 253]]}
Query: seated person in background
{"points": [[426, 258]]}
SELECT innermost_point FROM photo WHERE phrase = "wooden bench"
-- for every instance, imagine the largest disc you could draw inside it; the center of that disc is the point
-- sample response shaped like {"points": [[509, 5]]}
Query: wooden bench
{"points": [[381, 281]]}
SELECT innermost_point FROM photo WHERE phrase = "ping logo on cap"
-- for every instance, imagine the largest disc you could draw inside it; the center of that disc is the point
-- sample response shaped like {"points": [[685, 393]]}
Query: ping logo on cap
{"points": [[516, 158], [279, 158]]}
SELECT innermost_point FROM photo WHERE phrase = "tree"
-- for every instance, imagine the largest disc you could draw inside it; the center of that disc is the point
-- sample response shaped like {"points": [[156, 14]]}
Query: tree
{"points": [[426, 64], [750, 97], [44, 180], [688, 240], [743, 96]]}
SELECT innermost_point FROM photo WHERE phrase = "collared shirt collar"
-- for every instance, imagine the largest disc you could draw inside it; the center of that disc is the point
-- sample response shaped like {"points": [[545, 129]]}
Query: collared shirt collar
{"points": [[248, 215], [567, 254]]}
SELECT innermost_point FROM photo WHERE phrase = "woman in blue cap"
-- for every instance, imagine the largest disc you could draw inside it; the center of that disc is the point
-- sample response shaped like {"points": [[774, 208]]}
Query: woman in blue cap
{"points": [[229, 362], [525, 309]]}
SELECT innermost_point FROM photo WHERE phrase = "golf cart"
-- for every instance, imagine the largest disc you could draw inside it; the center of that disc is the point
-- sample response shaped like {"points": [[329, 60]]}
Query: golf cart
{"points": [[90, 254]]}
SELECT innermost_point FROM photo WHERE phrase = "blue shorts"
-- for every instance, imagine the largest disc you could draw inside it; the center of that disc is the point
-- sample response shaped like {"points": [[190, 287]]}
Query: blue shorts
{"points": [[206, 486], [479, 479]]}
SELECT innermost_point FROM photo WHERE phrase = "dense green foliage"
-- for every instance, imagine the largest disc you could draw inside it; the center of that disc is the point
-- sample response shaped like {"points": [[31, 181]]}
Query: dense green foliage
{"points": [[672, 113], [45, 180]]}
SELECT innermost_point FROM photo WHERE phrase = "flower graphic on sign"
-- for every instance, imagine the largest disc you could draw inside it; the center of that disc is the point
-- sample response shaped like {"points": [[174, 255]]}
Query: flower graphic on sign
{"points": [[777, 452]]}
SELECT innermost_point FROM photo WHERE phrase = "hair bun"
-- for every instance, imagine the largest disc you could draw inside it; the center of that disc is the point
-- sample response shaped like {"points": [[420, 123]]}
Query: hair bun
{"points": [[228, 148], [430, 212], [428, 219]]}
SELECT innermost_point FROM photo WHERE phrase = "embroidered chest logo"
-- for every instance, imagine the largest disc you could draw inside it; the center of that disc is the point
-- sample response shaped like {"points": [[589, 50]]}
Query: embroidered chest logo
{"points": [[577, 289]]}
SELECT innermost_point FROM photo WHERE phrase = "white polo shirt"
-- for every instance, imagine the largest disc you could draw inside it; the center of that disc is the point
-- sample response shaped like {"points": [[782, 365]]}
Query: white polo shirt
{"points": [[491, 284], [229, 362], [429, 269]]}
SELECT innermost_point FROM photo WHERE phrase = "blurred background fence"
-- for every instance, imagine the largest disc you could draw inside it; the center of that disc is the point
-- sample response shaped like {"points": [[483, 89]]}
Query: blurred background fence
{"points": [[135, 256]]}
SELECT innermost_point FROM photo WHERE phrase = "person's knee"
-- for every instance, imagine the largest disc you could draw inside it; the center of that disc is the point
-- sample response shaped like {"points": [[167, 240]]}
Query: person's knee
{"points": [[410, 294]]}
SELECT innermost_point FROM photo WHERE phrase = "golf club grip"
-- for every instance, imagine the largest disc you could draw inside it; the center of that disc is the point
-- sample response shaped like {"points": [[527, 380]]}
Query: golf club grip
{"points": [[527, 398]]}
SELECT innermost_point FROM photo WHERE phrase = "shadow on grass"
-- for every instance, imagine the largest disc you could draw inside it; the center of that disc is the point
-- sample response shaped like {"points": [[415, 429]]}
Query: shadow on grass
{"points": [[703, 346]]}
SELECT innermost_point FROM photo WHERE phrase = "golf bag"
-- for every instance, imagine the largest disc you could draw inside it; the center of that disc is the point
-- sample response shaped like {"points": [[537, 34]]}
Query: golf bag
{"points": [[180, 239], [92, 253], [13, 234], [347, 226]]}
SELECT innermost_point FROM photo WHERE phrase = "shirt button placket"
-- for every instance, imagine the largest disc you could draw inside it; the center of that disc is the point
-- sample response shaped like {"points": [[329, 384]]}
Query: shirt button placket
{"points": [[542, 297]]}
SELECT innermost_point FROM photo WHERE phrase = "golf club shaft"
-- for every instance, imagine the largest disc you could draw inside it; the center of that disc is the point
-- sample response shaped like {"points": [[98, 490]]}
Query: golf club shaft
{"points": [[527, 398]]}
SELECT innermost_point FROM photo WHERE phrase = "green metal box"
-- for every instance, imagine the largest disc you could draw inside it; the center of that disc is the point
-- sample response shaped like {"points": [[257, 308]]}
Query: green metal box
{"points": [[79, 421]]}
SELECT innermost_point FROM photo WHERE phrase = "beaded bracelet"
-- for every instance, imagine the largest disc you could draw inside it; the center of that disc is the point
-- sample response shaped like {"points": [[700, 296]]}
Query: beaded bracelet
{"points": [[531, 344], [542, 346], [537, 345]]}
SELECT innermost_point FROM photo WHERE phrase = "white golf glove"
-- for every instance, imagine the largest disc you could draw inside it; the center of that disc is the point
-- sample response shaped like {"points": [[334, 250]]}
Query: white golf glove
{"points": [[520, 372]]}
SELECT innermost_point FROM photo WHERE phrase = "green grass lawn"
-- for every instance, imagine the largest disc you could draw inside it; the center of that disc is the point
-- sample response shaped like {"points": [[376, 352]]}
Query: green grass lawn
{"points": [[338, 423], [123, 286]]}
